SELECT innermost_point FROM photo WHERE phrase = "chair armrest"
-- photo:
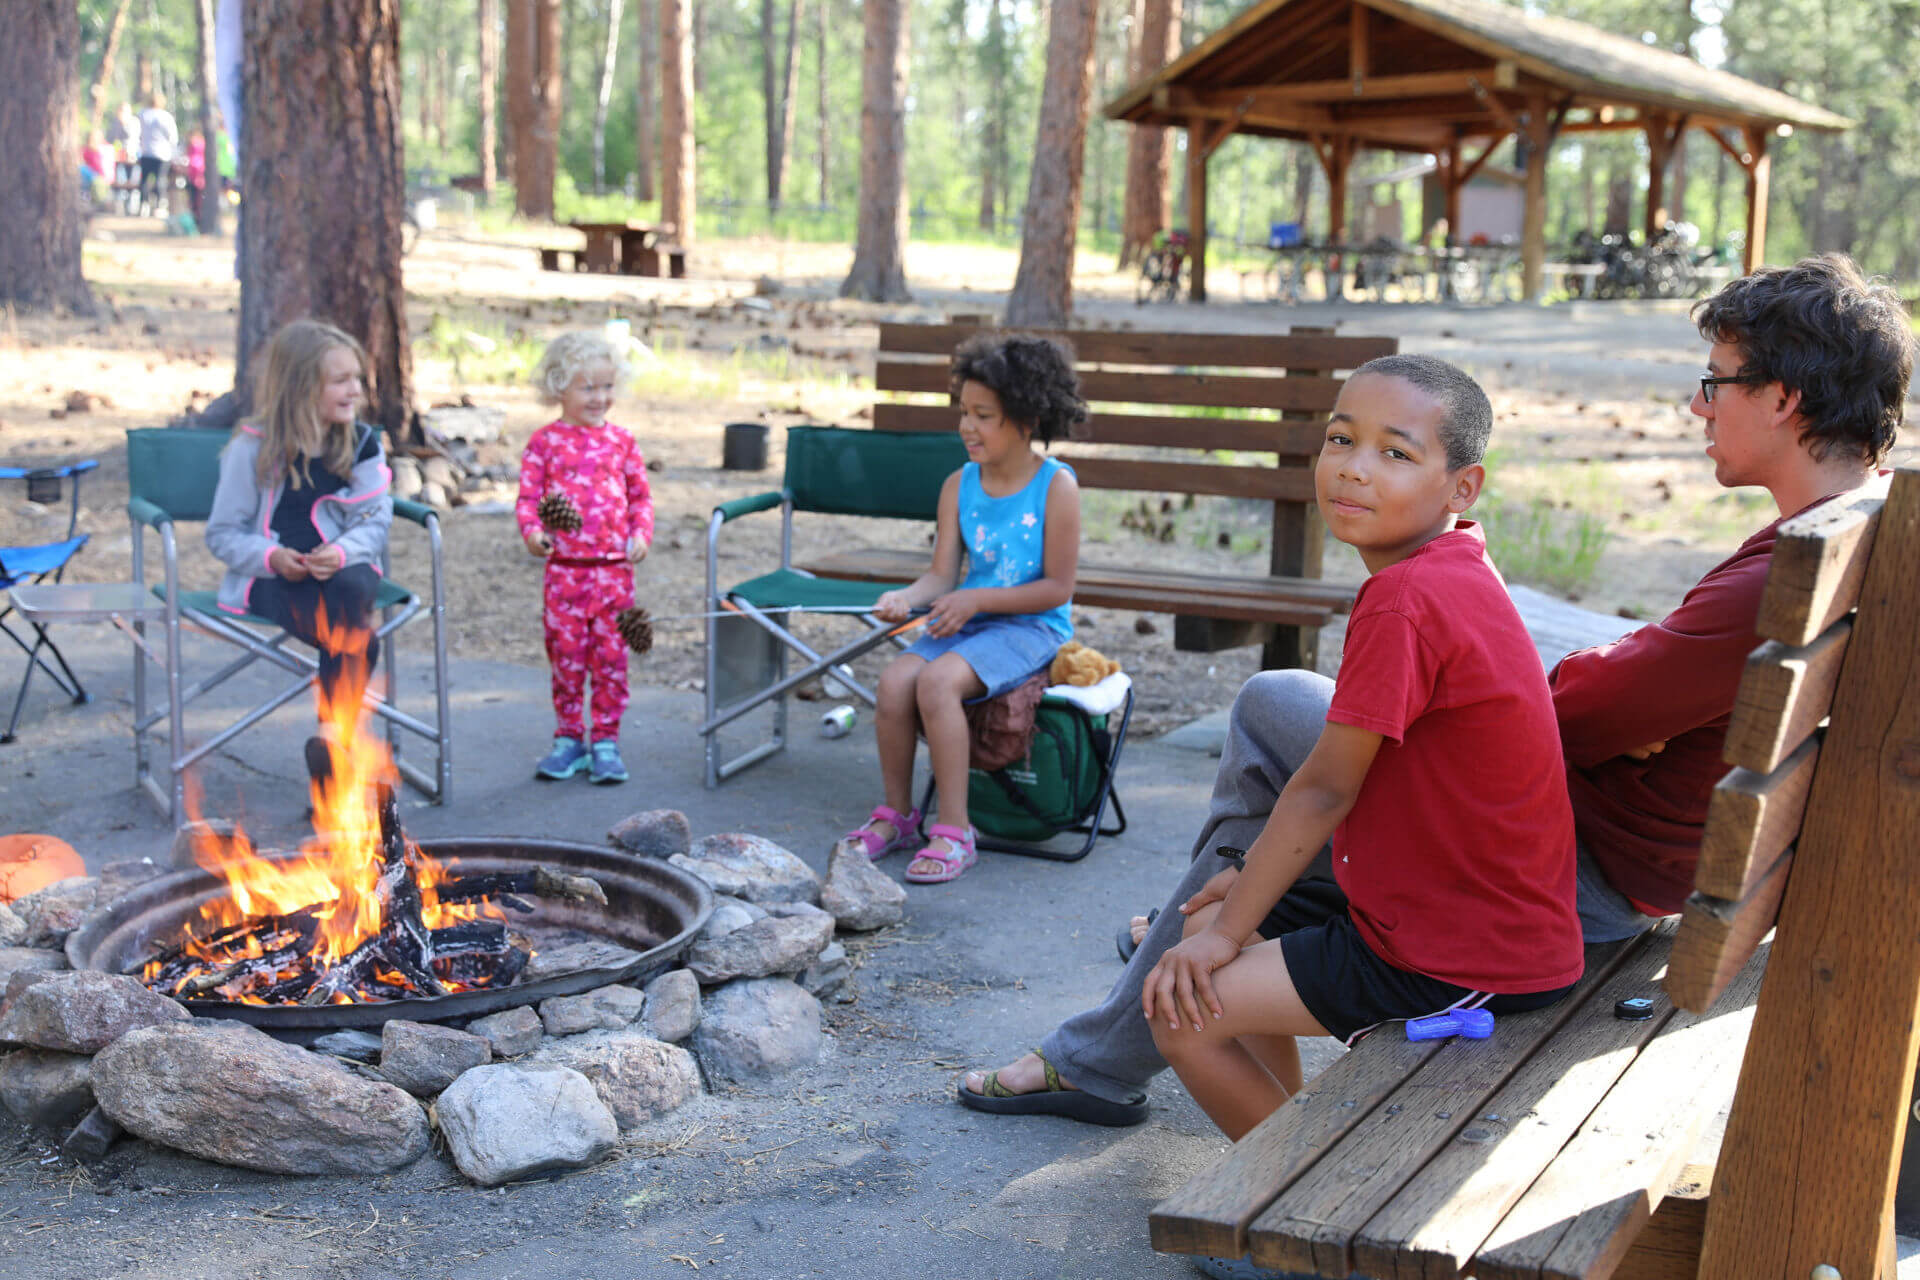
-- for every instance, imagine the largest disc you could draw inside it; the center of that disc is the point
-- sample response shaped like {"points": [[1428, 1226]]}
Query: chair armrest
{"points": [[418, 512], [747, 506], [143, 512]]}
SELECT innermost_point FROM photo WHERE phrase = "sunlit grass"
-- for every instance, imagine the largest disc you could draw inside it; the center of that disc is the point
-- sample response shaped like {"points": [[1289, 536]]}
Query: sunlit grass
{"points": [[1546, 525]]}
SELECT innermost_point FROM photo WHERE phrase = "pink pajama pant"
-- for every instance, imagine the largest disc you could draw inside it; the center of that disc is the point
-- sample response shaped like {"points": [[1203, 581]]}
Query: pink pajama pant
{"points": [[581, 602]]}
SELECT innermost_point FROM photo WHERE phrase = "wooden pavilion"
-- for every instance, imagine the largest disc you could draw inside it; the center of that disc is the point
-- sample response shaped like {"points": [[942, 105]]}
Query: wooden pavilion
{"points": [[1441, 77]]}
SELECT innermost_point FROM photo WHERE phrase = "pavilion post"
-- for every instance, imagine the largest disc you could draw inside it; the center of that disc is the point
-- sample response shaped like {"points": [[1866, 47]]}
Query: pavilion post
{"points": [[1450, 183], [1663, 137], [1197, 209], [1759, 167], [1533, 230]]}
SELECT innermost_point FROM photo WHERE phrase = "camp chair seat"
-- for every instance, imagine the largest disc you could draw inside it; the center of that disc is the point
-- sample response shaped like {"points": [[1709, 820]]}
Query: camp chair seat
{"points": [[22, 563], [42, 562], [389, 595], [791, 589]]}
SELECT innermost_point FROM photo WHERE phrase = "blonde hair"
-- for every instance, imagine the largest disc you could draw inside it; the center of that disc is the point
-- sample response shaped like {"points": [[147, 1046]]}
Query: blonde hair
{"points": [[287, 396], [570, 353]]}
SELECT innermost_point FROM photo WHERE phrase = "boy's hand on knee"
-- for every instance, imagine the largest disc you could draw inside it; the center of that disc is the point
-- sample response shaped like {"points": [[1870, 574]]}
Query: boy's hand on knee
{"points": [[1214, 890], [1183, 980]]}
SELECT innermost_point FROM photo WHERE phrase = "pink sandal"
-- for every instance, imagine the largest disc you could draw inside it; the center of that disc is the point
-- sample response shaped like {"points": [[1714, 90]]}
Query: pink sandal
{"points": [[906, 827], [956, 858]]}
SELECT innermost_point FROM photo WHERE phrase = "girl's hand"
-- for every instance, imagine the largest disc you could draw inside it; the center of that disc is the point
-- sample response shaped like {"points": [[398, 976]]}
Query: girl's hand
{"points": [[637, 548], [290, 565], [539, 543], [324, 562], [1183, 980], [892, 607], [951, 612]]}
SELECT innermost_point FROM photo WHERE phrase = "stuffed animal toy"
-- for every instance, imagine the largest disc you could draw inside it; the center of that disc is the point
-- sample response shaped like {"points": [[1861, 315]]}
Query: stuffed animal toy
{"points": [[1077, 664]]}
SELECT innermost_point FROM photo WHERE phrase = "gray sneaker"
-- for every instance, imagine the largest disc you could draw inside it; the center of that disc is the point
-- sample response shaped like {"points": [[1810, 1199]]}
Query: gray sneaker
{"points": [[567, 758], [607, 766]]}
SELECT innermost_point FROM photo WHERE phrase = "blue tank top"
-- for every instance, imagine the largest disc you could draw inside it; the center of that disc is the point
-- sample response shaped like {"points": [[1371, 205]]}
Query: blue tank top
{"points": [[1006, 538]]}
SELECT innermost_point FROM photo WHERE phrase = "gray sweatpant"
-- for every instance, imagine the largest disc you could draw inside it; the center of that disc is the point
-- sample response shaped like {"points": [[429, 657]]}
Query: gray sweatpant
{"points": [[1276, 718]]}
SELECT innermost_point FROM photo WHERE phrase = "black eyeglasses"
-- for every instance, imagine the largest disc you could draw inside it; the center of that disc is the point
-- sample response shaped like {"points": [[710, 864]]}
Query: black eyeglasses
{"points": [[1708, 383]]}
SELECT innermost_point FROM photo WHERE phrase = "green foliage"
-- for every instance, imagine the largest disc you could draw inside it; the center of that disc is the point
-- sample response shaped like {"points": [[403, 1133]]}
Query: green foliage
{"points": [[1545, 524]]}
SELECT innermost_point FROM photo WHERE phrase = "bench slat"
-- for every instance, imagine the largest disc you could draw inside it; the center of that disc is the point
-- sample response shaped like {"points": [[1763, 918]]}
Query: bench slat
{"points": [[1436, 1221], [1587, 1209], [1818, 563], [1323, 1210], [1259, 435], [1784, 693], [1751, 820], [1219, 390], [1213, 350], [1281, 484], [1717, 937]]}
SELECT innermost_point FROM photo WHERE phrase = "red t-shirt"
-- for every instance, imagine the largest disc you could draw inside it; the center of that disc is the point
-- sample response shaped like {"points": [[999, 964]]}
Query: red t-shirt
{"points": [[1457, 857]]}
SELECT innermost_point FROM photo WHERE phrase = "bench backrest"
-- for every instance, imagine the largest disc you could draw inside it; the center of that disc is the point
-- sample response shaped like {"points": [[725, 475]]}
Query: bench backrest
{"points": [[893, 475], [1817, 830], [1130, 378], [175, 468]]}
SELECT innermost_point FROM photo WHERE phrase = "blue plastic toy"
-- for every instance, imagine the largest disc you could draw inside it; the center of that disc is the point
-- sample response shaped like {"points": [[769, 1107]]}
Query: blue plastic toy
{"points": [[1474, 1024]]}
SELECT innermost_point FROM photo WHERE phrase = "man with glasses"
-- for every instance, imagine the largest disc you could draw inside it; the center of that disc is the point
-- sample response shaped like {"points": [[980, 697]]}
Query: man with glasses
{"points": [[1805, 389]]}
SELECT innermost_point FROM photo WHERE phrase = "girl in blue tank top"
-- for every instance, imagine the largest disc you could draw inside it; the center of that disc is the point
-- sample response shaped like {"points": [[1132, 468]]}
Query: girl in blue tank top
{"points": [[1016, 515]]}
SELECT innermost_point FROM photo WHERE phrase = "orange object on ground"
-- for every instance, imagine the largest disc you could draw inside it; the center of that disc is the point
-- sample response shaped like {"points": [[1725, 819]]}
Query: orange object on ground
{"points": [[29, 862]]}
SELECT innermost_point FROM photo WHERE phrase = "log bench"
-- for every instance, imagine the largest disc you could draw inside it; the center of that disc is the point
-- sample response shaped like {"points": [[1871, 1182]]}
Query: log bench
{"points": [[1269, 394], [554, 259], [1570, 1143]]}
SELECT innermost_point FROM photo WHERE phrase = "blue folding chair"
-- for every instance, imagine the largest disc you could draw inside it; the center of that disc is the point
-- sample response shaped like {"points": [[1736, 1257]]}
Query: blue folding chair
{"points": [[41, 562]]}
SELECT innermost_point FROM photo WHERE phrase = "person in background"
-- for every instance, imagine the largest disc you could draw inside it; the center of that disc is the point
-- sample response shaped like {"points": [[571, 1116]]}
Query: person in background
{"points": [[159, 139]]}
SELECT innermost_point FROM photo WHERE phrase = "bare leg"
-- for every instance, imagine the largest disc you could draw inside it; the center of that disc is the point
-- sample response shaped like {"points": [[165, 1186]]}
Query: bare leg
{"points": [[896, 728], [943, 686]]}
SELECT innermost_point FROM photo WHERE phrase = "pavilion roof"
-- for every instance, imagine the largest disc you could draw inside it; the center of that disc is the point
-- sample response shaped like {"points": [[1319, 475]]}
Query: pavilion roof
{"points": [[1281, 68]]}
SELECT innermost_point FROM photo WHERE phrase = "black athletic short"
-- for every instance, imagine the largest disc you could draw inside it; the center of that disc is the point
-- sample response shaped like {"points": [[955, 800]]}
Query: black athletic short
{"points": [[1347, 987]]}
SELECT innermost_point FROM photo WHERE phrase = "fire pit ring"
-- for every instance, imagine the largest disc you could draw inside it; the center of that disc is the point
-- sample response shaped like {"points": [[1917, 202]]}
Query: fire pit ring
{"points": [[652, 908]]}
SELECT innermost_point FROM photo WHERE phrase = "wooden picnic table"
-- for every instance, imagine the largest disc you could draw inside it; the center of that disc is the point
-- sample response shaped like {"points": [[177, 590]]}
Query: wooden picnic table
{"points": [[623, 248]]}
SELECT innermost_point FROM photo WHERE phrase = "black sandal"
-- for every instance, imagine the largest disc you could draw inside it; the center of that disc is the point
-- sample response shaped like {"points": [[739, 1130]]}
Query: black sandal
{"points": [[1123, 941], [1054, 1099]]}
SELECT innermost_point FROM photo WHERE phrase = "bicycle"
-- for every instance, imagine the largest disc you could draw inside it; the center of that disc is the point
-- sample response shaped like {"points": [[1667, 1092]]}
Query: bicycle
{"points": [[1163, 271]]}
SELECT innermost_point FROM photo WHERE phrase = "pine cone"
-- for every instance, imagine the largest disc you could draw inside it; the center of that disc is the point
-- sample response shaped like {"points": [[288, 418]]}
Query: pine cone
{"points": [[636, 627], [557, 512]]}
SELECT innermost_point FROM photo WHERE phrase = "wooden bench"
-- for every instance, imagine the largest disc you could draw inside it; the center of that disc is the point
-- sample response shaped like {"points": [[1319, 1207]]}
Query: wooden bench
{"points": [[1130, 379], [671, 256], [552, 259], [1569, 1143]]}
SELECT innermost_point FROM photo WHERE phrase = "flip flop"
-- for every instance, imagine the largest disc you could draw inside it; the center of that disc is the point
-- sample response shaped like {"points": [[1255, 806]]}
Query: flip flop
{"points": [[1123, 941], [1054, 1100]]}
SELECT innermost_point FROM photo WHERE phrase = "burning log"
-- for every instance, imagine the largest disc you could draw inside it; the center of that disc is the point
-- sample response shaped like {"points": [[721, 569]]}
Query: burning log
{"points": [[543, 882]]}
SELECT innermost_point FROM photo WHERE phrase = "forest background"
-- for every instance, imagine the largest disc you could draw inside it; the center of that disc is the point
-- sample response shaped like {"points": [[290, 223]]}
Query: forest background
{"points": [[784, 76]]}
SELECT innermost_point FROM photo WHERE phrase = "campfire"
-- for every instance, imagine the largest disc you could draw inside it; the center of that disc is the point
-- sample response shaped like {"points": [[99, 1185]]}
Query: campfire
{"points": [[361, 914]]}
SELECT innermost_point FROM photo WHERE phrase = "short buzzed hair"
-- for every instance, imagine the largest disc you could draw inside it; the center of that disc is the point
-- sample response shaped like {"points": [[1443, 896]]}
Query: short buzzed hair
{"points": [[1466, 417]]}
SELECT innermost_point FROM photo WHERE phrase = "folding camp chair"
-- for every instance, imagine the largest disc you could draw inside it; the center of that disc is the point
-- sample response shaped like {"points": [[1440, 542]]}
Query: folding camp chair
{"points": [[41, 562], [171, 476], [885, 474]]}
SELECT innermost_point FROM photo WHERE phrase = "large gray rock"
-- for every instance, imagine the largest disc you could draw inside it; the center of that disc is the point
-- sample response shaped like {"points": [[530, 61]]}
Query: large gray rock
{"points": [[82, 1011], [230, 1093], [750, 867], [602, 1009], [423, 1059], [572, 957], [28, 960], [673, 1006], [13, 930], [45, 1088], [511, 1032], [90, 1138], [769, 946], [118, 877], [53, 912], [829, 973], [788, 910], [757, 1028], [656, 833], [728, 915], [355, 1046], [512, 1120], [860, 895], [637, 1076]]}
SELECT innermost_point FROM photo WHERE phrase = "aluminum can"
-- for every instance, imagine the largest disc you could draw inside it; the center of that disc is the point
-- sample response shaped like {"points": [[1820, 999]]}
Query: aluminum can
{"points": [[838, 723]]}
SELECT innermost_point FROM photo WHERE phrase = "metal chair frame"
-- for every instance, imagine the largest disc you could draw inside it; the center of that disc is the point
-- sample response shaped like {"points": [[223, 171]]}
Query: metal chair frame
{"points": [[67, 681]]}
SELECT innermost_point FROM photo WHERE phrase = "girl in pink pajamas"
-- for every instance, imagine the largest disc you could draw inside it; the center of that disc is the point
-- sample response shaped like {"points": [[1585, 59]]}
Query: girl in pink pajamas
{"points": [[597, 466]]}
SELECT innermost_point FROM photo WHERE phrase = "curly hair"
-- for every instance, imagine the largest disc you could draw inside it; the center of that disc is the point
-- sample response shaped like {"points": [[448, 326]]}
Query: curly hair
{"points": [[1823, 329], [1033, 377], [572, 352], [1467, 417]]}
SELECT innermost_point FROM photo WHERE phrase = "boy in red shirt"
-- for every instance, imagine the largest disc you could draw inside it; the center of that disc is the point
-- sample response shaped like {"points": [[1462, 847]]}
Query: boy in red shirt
{"points": [[1438, 776]]}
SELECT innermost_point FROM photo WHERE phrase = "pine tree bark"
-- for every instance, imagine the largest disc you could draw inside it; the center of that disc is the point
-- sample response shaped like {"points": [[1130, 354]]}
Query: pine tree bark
{"points": [[103, 74], [646, 141], [210, 212], [605, 96], [676, 118], [825, 121], [879, 270], [1149, 201], [779, 89], [320, 227], [1043, 286], [40, 112], [489, 74], [533, 102]]}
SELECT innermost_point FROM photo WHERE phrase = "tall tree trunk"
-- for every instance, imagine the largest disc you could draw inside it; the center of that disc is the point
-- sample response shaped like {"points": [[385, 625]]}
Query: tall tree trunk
{"points": [[489, 73], [996, 70], [209, 214], [646, 132], [676, 118], [533, 102], [40, 111], [1043, 286], [1149, 206], [604, 97], [879, 272], [142, 77], [103, 74], [780, 95], [824, 123], [320, 227]]}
